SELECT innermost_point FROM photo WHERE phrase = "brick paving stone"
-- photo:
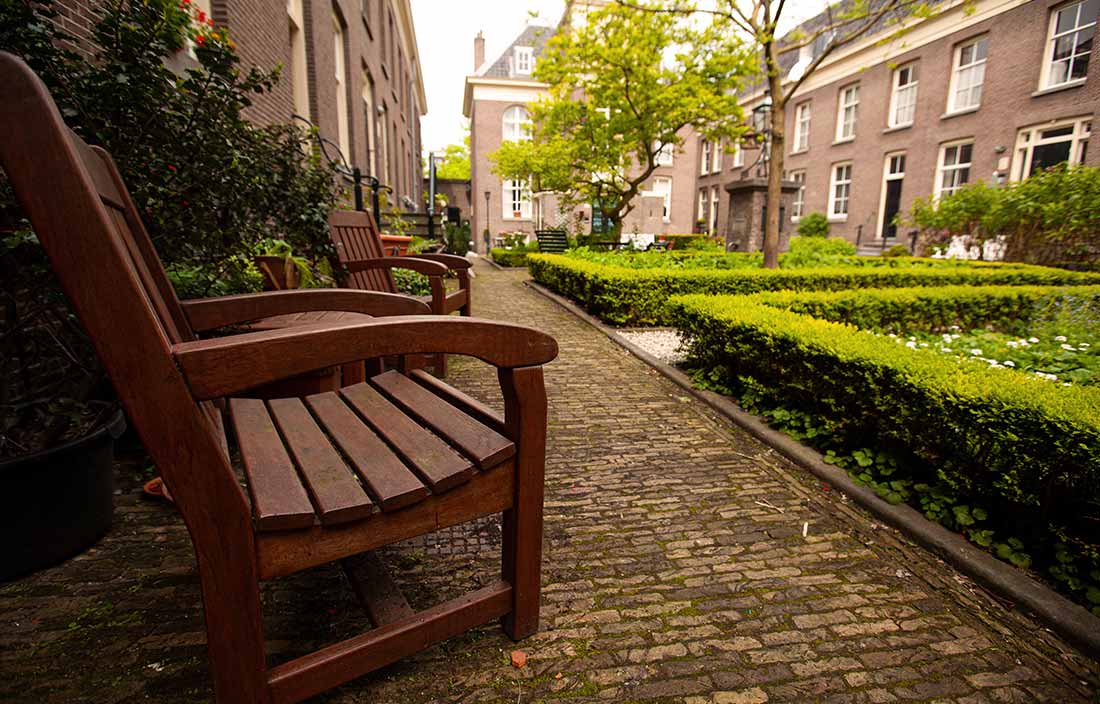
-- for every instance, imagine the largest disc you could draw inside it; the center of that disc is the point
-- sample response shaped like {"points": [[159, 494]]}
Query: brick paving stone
{"points": [[665, 580]]}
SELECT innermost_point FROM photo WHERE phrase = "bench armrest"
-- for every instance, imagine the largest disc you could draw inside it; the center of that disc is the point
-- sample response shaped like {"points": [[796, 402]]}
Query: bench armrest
{"points": [[452, 261], [223, 366], [421, 266], [211, 313]]}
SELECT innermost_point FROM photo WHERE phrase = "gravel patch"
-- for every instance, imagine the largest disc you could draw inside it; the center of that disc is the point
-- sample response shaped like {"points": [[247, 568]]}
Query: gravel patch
{"points": [[665, 345]]}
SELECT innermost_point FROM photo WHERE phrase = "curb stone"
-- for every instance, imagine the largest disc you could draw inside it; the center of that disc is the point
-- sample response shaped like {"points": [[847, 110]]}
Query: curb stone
{"points": [[1067, 619]]}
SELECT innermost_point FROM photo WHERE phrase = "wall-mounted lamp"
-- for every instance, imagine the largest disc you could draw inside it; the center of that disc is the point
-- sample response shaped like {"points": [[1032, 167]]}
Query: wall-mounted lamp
{"points": [[1000, 149]]}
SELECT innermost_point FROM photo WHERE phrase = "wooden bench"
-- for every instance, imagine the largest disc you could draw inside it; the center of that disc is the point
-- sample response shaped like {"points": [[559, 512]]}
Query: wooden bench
{"points": [[552, 241], [328, 476]]}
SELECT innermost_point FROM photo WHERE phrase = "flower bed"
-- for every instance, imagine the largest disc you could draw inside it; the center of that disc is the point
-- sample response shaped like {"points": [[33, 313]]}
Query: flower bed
{"points": [[1010, 459], [637, 296]]}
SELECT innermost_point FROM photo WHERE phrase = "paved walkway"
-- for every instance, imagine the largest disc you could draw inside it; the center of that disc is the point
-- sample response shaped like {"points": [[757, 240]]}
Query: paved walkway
{"points": [[675, 571]]}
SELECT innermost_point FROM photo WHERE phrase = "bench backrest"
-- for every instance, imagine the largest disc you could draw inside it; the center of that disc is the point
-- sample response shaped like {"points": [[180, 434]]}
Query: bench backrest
{"points": [[87, 225], [552, 241], [356, 236]]}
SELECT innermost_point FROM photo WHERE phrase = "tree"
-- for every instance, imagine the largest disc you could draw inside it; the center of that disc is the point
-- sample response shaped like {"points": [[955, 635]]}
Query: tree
{"points": [[455, 161], [839, 25], [623, 86]]}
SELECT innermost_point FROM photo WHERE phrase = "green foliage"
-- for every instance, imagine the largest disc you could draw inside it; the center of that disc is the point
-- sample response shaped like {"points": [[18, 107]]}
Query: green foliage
{"points": [[455, 162], [208, 183], [817, 251], [682, 242], [624, 84], [457, 238], [1009, 459], [412, 282], [813, 225], [898, 250], [1052, 217], [509, 257], [637, 296]]}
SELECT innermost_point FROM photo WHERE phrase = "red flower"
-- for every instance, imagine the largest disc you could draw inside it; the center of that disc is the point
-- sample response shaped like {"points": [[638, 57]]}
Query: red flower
{"points": [[210, 22], [200, 40], [202, 17], [183, 203], [172, 168], [184, 3]]}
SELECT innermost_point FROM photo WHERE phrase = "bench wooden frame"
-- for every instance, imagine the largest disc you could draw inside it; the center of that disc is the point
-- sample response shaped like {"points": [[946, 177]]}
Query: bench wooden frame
{"points": [[168, 381]]}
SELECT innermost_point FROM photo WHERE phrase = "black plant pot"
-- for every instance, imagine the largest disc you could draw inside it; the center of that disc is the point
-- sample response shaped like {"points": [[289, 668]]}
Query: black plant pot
{"points": [[58, 502]]}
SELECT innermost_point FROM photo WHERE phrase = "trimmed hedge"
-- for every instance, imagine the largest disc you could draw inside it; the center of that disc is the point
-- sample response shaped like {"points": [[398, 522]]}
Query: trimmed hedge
{"points": [[625, 296], [988, 441], [509, 257]]}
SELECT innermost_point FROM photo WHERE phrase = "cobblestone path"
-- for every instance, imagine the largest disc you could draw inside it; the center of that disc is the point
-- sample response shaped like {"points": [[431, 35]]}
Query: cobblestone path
{"points": [[675, 570]]}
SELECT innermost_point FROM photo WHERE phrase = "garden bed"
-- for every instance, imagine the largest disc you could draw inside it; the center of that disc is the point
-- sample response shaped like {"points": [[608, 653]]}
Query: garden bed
{"points": [[626, 293], [1008, 458]]}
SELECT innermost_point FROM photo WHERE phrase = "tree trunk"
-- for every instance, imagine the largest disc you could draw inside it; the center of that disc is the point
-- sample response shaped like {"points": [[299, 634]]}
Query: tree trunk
{"points": [[775, 161]]}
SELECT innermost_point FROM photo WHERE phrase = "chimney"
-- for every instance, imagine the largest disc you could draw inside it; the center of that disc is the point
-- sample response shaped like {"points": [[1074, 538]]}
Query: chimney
{"points": [[479, 50]]}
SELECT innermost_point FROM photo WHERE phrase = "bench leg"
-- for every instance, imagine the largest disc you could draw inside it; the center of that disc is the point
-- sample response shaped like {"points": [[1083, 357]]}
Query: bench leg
{"points": [[521, 551]]}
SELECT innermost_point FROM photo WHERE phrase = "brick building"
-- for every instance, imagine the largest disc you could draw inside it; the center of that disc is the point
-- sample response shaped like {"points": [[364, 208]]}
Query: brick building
{"points": [[351, 67], [495, 101], [991, 91]]}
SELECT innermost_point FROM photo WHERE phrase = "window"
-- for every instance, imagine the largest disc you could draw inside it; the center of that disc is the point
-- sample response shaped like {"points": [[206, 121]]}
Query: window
{"points": [[847, 109], [714, 210], [384, 128], [664, 154], [517, 124], [954, 171], [299, 71], [524, 59], [517, 200], [1070, 42], [341, 86], [802, 128], [716, 158], [903, 98], [1039, 148], [704, 165], [701, 212], [893, 176], [969, 74], [840, 190], [370, 117], [738, 155], [662, 186], [799, 203]]}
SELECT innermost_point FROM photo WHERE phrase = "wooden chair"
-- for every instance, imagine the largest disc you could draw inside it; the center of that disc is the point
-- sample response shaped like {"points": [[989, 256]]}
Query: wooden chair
{"points": [[328, 476], [552, 241], [359, 248]]}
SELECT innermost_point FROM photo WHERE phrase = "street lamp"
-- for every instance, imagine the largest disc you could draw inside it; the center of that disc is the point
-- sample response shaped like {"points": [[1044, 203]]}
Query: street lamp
{"points": [[485, 236], [762, 127]]}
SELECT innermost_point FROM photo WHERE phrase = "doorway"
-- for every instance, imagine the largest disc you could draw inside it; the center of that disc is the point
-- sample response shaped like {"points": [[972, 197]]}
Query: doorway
{"points": [[892, 178]]}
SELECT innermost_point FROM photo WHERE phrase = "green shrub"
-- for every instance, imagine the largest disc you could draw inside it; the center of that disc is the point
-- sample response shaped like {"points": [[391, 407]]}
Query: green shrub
{"points": [[817, 251], [1010, 459], [813, 225], [681, 242], [625, 296], [898, 250], [412, 282], [509, 257]]}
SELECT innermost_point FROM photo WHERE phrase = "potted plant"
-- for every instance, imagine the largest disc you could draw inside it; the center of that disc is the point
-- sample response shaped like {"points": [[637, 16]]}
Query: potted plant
{"points": [[58, 420], [281, 269]]}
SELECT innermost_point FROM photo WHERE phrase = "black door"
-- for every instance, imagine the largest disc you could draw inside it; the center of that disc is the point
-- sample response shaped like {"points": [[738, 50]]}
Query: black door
{"points": [[893, 205]]}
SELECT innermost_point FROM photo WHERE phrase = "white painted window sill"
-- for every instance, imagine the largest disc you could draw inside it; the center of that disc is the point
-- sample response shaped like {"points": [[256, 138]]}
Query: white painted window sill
{"points": [[844, 140], [838, 218], [1058, 88], [897, 128], [956, 113]]}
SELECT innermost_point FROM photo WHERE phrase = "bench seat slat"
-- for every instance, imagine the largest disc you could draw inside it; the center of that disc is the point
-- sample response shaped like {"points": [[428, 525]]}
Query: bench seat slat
{"points": [[440, 467], [336, 492], [483, 445], [279, 501], [390, 482]]}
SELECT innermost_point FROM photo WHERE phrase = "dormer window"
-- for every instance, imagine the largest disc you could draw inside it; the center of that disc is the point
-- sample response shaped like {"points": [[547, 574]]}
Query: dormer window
{"points": [[524, 60]]}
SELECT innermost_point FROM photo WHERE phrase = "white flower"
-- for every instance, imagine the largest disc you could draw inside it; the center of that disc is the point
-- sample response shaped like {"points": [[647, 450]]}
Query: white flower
{"points": [[911, 345], [946, 337], [1009, 363], [1023, 343], [924, 344], [1059, 338], [1070, 348], [976, 351], [955, 337], [1012, 343], [912, 337], [1083, 345], [945, 349], [891, 335], [1033, 340]]}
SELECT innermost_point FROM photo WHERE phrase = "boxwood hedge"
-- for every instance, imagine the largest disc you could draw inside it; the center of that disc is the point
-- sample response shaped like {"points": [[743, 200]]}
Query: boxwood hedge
{"points": [[984, 441], [625, 296]]}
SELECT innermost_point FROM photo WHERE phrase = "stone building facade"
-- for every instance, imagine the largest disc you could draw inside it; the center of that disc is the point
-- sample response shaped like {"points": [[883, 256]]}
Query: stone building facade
{"points": [[351, 67]]}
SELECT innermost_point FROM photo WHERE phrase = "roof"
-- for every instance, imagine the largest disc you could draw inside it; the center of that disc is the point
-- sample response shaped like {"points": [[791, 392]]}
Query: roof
{"points": [[534, 36]]}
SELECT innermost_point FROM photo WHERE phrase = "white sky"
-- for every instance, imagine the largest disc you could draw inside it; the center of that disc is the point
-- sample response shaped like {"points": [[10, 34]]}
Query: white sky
{"points": [[445, 31]]}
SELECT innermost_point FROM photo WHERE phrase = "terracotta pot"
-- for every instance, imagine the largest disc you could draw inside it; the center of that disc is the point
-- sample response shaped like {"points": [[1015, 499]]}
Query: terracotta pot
{"points": [[389, 242], [279, 272]]}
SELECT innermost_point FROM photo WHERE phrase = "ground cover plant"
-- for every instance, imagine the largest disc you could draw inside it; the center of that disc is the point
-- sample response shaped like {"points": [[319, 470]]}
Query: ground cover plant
{"points": [[1004, 455], [634, 288]]}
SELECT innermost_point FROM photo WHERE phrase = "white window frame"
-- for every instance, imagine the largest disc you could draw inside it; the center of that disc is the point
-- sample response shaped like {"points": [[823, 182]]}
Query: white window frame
{"points": [[798, 205], [516, 193], [903, 98], [369, 113], [836, 182], [738, 156], [942, 168], [524, 60], [889, 173], [847, 106], [516, 124], [802, 117], [1089, 28], [299, 66], [662, 186], [704, 163], [341, 76], [958, 71], [701, 212], [664, 153], [715, 200], [716, 158], [1030, 137]]}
